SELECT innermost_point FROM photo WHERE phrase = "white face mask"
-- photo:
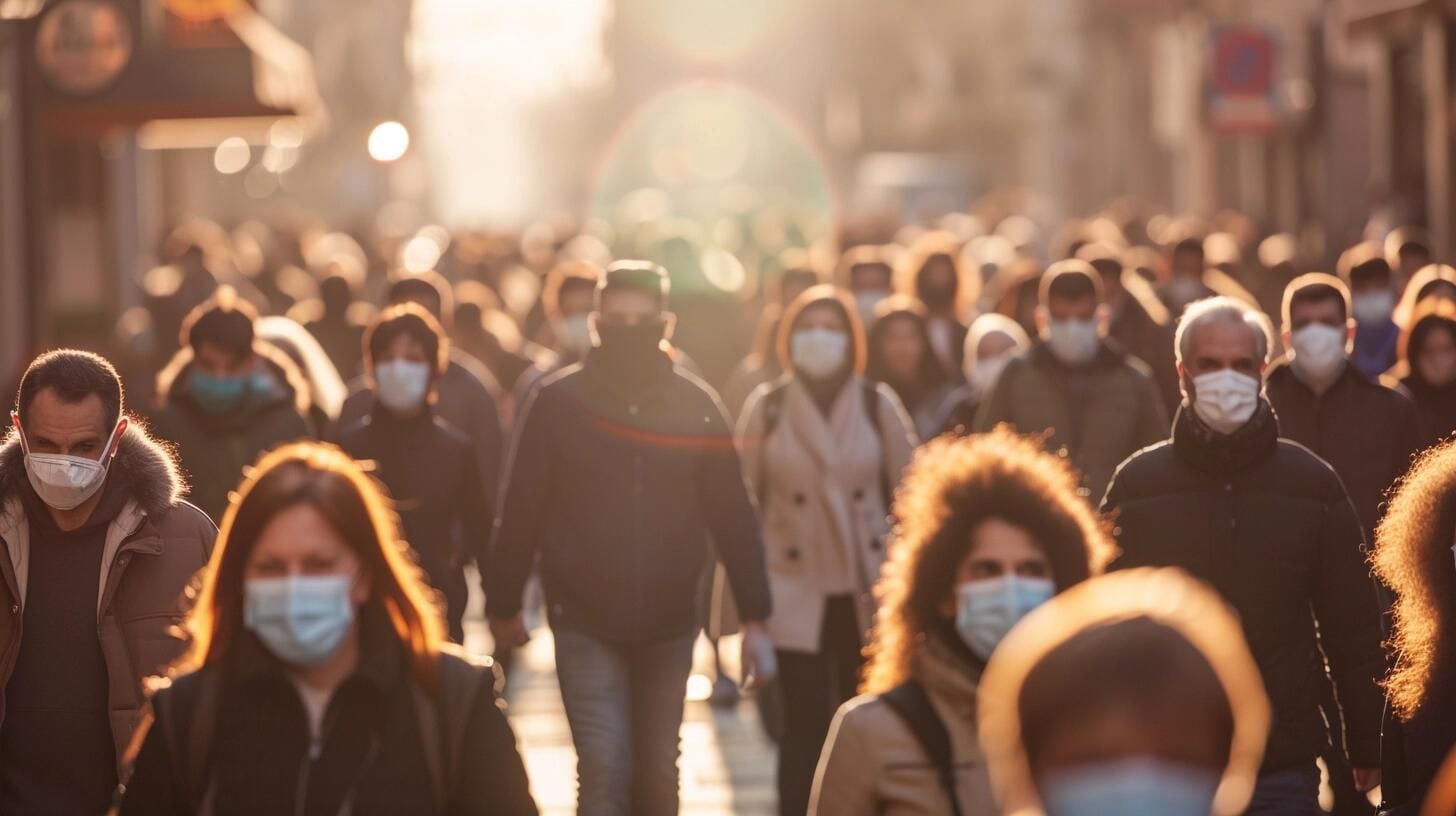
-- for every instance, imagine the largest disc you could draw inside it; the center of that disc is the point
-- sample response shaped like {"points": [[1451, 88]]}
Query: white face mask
{"points": [[1373, 308], [401, 385], [576, 334], [1319, 352], [1136, 786], [987, 610], [66, 482], [985, 373], [1074, 342], [819, 353], [865, 302], [1225, 399]]}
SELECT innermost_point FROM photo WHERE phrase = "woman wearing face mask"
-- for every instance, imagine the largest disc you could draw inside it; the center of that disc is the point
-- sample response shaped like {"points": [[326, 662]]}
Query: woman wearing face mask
{"points": [[992, 341], [931, 272], [317, 679], [429, 466], [822, 449], [1133, 694], [990, 527], [901, 356], [1427, 367]]}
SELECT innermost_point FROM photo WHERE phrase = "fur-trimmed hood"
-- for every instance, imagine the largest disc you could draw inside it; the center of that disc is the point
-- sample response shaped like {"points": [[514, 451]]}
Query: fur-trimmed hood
{"points": [[147, 465]]}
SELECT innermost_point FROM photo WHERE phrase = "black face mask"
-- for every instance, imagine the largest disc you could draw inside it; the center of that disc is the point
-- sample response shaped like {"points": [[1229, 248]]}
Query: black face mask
{"points": [[631, 342]]}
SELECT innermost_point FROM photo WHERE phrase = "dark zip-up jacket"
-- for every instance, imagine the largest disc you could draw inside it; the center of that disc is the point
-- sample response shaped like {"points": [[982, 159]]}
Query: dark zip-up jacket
{"points": [[1268, 525], [617, 490]]}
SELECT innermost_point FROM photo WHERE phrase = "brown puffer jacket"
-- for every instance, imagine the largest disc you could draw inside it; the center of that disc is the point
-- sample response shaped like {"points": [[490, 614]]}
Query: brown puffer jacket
{"points": [[153, 548]]}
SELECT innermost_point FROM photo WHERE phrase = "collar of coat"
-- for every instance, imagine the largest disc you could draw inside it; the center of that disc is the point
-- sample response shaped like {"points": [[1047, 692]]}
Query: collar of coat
{"points": [[1109, 355], [1283, 369], [1213, 452], [147, 467]]}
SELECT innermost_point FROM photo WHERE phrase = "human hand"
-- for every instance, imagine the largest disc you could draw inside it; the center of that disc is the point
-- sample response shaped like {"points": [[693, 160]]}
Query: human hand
{"points": [[758, 660], [509, 633]]}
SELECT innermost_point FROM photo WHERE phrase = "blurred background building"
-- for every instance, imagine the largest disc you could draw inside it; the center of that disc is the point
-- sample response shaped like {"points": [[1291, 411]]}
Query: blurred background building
{"points": [[121, 119]]}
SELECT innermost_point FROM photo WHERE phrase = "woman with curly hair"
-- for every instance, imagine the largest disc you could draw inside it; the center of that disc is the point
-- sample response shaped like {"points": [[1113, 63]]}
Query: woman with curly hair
{"points": [[989, 528], [1413, 557]]}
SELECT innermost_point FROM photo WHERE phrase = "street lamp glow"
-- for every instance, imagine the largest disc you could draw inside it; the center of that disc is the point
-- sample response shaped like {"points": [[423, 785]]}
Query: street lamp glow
{"points": [[232, 156], [388, 141]]}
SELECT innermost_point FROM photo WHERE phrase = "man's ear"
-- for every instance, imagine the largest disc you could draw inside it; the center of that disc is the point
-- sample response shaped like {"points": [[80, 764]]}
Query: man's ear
{"points": [[1043, 319], [669, 325], [121, 427]]}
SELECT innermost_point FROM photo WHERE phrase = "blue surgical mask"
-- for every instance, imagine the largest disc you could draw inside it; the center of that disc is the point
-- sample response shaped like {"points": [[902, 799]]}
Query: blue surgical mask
{"points": [[988, 609], [1137, 786], [302, 619], [218, 394]]}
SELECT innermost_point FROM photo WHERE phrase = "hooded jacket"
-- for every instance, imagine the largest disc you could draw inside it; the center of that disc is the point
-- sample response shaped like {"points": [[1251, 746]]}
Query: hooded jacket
{"points": [[1101, 413], [1268, 525], [153, 548], [214, 449]]}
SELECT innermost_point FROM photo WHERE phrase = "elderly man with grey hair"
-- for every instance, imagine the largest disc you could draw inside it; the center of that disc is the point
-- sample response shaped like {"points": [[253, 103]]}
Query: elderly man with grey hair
{"points": [[1268, 525]]}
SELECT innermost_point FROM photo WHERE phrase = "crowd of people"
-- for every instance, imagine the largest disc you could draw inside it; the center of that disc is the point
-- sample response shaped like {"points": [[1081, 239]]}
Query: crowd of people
{"points": [[1008, 521]]}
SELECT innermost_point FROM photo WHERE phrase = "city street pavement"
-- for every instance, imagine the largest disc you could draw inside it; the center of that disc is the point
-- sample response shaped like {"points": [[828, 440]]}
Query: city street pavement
{"points": [[727, 765]]}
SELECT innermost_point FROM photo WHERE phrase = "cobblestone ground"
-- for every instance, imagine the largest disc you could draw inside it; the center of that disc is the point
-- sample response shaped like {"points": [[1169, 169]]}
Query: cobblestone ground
{"points": [[727, 764]]}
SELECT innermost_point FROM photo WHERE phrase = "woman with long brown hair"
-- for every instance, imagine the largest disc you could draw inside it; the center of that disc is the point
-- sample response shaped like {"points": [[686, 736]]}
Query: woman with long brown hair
{"points": [[317, 682], [1413, 557], [989, 527]]}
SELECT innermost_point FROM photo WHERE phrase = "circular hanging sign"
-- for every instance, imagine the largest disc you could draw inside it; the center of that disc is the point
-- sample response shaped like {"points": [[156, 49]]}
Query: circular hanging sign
{"points": [[201, 11], [82, 46]]}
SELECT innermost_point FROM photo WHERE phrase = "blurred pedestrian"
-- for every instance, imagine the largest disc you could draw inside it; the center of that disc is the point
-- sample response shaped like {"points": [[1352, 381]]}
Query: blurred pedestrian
{"points": [[991, 343], [569, 298], [1407, 251], [620, 469], [989, 528], [337, 328], [1131, 693], [931, 271], [227, 397], [84, 493], [1372, 306], [1185, 282], [822, 449], [762, 363], [1432, 282], [1413, 557], [1098, 402], [868, 273], [1427, 367], [902, 356], [317, 682], [428, 466], [465, 398], [326, 389], [1278, 255], [1137, 321], [1269, 525]]}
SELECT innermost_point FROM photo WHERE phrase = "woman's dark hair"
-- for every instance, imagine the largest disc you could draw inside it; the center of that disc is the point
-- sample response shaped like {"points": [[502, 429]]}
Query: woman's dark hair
{"points": [[324, 478], [1434, 315], [74, 375], [929, 372], [224, 321], [1413, 557], [406, 319], [822, 295], [1102, 675], [951, 488], [429, 289]]}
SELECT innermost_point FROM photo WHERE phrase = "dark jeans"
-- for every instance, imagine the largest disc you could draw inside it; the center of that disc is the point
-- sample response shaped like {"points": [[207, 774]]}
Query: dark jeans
{"points": [[814, 686], [1293, 792], [624, 704]]}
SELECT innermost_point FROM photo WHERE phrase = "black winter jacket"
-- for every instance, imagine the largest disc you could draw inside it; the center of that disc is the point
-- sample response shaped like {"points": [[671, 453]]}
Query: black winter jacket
{"points": [[1268, 525], [371, 748], [617, 489]]}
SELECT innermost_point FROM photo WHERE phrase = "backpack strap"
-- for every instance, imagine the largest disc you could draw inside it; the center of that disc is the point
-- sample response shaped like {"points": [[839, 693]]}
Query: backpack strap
{"points": [[912, 704]]}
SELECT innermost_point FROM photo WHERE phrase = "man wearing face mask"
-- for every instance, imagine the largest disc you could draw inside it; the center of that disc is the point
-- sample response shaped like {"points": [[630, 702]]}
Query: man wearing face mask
{"points": [[98, 548], [1268, 525], [1372, 305], [1366, 431], [868, 275], [620, 469], [428, 465], [1097, 402], [228, 397]]}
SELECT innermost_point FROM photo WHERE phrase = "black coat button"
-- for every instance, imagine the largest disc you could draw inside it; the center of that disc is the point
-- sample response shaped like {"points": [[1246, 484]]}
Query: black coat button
{"points": [[859, 495], [793, 553], [800, 499], [876, 544]]}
